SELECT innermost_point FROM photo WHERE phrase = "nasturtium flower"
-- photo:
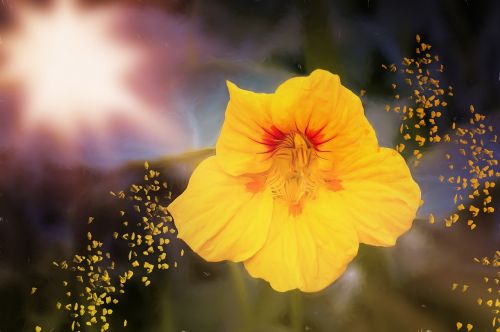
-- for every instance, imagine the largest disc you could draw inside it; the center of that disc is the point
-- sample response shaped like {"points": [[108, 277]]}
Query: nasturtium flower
{"points": [[298, 180]]}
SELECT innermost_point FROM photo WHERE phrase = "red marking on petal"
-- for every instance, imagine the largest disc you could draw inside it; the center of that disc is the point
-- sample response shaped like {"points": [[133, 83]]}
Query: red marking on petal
{"points": [[294, 209], [334, 184], [272, 138], [317, 137], [313, 133], [256, 184]]}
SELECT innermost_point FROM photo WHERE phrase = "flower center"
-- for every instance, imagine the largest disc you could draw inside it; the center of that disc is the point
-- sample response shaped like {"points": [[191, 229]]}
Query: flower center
{"points": [[293, 176]]}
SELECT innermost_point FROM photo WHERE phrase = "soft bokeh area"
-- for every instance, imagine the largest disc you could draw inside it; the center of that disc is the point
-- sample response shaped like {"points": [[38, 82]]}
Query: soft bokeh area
{"points": [[91, 89]]}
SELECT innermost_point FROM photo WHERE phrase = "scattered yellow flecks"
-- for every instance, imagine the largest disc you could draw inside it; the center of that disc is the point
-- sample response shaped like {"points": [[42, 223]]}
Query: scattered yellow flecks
{"points": [[472, 169], [479, 167], [420, 104], [421, 100], [490, 294], [95, 283]]}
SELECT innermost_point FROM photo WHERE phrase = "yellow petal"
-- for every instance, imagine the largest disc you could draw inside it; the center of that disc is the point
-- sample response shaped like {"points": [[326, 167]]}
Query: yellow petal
{"points": [[327, 113], [307, 251], [381, 196], [218, 217], [242, 146]]}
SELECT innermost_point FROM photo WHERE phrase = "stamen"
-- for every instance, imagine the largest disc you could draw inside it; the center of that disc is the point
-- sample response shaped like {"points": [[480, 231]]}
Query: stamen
{"points": [[294, 176]]}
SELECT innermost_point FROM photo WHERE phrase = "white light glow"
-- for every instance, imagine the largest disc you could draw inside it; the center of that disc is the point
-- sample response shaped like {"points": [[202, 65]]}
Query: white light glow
{"points": [[70, 69]]}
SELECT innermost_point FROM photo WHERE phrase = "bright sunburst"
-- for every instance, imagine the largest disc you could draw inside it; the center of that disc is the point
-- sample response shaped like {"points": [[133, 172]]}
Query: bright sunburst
{"points": [[71, 71]]}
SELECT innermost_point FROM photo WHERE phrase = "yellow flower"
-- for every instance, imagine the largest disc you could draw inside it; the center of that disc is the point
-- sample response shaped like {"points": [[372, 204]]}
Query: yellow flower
{"points": [[297, 182]]}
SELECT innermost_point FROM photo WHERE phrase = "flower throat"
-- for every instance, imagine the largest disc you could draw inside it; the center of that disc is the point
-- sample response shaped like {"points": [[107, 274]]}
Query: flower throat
{"points": [[293, 176]]}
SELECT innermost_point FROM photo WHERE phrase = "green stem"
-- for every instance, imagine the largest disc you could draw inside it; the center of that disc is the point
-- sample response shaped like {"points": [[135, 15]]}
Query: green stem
{"points": [[241, 291], [296, 311], [166, 320], [317, 37]]}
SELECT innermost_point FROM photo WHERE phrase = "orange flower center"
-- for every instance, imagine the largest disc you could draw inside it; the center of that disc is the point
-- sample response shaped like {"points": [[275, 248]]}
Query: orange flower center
{"points": [[294, 175]]}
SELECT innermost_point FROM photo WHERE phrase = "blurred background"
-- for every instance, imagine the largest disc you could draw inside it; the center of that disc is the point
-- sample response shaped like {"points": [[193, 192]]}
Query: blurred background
{"points": [[90, 89]]}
